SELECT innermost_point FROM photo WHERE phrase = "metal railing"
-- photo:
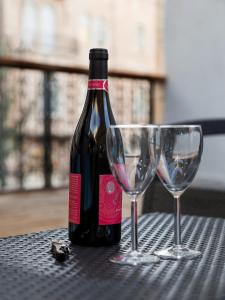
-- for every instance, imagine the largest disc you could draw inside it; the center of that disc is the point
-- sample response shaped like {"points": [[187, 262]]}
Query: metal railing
{"points": [[49, 70]]}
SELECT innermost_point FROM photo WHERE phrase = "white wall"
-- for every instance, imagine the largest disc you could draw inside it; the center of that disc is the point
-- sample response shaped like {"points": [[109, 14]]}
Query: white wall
{"points": [[195, 64]]}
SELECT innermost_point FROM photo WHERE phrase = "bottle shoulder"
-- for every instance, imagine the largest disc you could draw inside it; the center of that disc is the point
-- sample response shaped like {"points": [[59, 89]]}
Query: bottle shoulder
{"points": [[96, 117]]}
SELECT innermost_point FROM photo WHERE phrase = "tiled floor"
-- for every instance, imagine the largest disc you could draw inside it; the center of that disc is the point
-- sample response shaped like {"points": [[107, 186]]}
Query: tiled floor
{"points": [[35, 211]]}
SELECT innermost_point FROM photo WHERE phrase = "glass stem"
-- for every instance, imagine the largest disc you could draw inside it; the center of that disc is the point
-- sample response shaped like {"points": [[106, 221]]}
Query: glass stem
{"points": [[134, 238], [177, 230]]}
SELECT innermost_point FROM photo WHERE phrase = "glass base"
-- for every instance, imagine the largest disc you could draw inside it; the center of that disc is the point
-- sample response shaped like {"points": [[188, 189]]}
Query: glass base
{"points": [[177, 253], [134, 258]]}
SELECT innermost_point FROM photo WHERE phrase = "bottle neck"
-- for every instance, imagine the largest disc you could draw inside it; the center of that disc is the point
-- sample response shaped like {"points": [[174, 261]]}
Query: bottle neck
{"points": [[98, 69]]}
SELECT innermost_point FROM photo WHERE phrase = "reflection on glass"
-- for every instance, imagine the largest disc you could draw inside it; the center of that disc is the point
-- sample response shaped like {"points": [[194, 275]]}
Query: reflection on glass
{"points": [[133, 153], [181, 149]]}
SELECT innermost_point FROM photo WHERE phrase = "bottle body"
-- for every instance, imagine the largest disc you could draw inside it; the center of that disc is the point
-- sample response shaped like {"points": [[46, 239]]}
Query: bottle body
{"points": [[94, 197]]}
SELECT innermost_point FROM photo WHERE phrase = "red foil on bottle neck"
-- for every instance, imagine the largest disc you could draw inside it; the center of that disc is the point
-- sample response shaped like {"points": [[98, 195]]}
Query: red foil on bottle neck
{"points": [[98, 84]]}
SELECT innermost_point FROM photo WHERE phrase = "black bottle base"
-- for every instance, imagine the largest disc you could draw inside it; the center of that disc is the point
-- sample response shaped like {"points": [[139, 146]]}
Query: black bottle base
{"points": [[93, 244], [102, 236]]}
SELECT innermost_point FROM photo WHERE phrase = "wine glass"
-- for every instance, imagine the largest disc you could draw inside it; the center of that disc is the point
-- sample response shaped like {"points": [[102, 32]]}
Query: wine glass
{"points": [[133, 154], [181, 149]]}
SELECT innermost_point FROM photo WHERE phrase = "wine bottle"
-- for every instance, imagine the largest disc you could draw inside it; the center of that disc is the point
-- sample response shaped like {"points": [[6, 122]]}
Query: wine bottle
{"points": [[95, 197]]}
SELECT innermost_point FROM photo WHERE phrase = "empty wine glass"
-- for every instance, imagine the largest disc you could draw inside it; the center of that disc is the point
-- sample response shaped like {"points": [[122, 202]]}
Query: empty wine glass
{"points": [[181, 149], [133, 153]]}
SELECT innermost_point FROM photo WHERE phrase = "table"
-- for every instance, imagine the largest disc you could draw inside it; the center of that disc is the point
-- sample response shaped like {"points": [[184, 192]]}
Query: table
{"points": [[28, 270]]}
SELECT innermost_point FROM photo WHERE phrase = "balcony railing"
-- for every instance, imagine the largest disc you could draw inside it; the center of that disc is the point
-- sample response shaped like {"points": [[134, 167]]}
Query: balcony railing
{"points": [[40, 104]]}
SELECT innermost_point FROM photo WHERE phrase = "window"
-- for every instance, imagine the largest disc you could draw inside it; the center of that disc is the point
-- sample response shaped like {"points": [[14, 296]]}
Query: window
{"points": [[29, 24], [93, 31], [84, 29], [99, 32], [38, 26], [47, 28]]}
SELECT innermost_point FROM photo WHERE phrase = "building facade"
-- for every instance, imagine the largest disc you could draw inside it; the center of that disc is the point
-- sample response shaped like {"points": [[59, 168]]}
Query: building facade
{"points": [[62, 32], [66, 29]]}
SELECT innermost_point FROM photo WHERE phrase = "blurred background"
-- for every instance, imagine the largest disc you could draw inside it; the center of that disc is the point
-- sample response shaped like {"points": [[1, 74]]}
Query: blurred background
{"points": [[166, 65]]}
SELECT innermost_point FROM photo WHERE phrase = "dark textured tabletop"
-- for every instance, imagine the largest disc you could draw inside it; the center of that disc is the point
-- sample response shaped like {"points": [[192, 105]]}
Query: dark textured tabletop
{"points": [[28, 270]]}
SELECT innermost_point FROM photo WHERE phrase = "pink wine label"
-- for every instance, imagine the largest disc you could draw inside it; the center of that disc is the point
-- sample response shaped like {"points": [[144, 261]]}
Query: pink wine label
{"points": [[98, 84], [110, 200], [74, 198]]}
